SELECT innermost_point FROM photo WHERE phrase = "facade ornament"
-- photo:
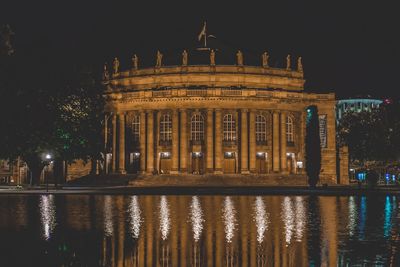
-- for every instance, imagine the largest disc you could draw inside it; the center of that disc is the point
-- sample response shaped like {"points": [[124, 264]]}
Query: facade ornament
{"points": [[239, 56], [212, 57], [106, 75], [265, 58], [135, 62], [288, 62], [184, 58], [159, 59], [115, 65], [299, 65]]}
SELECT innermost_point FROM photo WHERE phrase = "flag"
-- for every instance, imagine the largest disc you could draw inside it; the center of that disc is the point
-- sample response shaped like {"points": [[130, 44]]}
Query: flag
{"points": [[203, 32]]}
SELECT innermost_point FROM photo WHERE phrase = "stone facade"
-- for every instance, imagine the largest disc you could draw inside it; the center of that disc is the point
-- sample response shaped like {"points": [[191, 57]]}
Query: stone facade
{"points": [[213, 120]]}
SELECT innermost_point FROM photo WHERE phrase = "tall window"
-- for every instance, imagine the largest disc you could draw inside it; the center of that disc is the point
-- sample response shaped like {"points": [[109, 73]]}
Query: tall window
{"points": [[261, 129], [165, 127], [289, 130], [229, 128], [136, 128], [197, 127]]}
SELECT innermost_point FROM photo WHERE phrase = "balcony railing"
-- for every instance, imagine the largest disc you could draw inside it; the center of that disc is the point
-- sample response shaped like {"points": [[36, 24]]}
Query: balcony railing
{"points": [[196, 142], [229, 142], [290, 143], [165, 142]]}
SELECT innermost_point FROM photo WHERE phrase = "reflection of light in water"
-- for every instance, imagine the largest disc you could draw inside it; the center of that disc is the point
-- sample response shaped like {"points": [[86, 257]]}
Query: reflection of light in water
{"points": [[47, 214], [288, 218], [363, 217], [164, 218], [134, 211], [108, 216], [388, 217], [229, 219], [196, 217], [352, 215], [261, 218], [300, 218]]}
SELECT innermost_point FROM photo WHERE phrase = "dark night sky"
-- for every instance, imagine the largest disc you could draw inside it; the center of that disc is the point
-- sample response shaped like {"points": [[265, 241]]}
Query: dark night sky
{"points": [[350, 49]]}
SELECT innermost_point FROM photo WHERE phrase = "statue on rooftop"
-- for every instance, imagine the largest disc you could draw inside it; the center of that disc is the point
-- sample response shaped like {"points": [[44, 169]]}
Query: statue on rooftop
{"points": [[106, 75], [135, 62], [265, 58], [184, 58], [239, 56], [299, 65], [159, 59], [212, 57], [288, 62], [116, 65]]}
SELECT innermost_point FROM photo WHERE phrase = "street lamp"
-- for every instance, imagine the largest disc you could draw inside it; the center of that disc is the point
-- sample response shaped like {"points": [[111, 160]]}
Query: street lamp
{"points": [[48, 160]]}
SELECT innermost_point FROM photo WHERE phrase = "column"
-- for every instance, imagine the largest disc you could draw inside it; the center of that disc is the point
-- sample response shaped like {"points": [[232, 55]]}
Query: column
{"points": [[175, 142], [275, 142], [150, 142], [283, 143], [142, 138], [105, 170], [244, 153], [210, 141], [114, 143], [121, 161], [252, 150], [184, 142], [218, 142]]}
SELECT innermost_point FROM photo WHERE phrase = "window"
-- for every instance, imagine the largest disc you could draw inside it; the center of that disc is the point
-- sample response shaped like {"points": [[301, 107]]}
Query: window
{"points": [[323, 130], [136, 128], [261, 129], [289, 130], [165, 127], [197, 127], [229, 128]]}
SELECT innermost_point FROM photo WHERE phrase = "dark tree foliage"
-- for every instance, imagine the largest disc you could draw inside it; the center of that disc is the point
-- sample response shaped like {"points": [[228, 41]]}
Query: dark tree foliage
{"points": [[313, 146], [47, 110], [373, 136]]}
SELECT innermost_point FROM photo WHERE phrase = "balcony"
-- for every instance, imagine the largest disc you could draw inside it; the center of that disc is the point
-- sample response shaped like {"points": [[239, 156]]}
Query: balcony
{"points": [[165, 142], [229, 142], [290, 143], [196, 142]]}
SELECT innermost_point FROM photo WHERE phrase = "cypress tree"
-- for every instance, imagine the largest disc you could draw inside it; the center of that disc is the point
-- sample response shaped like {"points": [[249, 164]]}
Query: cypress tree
{"points": [[313, 146]]}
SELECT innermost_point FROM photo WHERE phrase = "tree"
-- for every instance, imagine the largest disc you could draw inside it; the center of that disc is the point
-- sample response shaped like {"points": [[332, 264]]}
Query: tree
{"points": [[44, 113], [313, 146]]}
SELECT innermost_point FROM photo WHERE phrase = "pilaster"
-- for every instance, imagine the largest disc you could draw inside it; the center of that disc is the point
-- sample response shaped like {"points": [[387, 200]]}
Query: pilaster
{"points": [[252, 150], [218, 142], [150, 142], [175, 142], [121, 161], [275, 142], [283, 143], [184, 142], [210, 141], [244, 141]]}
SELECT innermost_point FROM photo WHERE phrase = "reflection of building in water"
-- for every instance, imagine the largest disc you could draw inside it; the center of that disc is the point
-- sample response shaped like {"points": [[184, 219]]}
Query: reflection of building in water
{"points": [[212, 230]]}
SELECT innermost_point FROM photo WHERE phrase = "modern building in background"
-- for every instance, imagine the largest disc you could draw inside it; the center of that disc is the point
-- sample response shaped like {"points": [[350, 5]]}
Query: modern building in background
{"points": [[355, 105], [213, 119]]}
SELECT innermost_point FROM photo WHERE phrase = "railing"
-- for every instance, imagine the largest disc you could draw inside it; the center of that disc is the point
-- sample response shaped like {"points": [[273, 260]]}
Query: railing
{"points": [[165, 142], [162, 93], [229, 142], [201, 92], [230, 92], [290, 143], [196, 142]]}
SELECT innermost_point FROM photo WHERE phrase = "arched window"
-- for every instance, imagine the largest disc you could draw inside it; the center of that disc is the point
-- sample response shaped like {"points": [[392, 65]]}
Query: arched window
{"points": [[197, 128], [289, 130], [261, 129], [165, 127], [229, 128], [136, 128]]}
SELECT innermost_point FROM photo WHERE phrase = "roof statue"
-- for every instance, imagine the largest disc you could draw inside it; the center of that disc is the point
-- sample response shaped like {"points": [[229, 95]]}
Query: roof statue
{"points": [[288, 62], [299, 65], [239, 56], [212, 57], [159, 59], [115, 65], [265, 58], [184, 58], [135, 62], [106, 75]]}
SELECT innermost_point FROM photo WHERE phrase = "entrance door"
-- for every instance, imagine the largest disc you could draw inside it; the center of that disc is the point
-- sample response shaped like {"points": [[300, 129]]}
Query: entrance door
{"points": [[197, 163], [165, 163], [290, 164], [229, 162], [261, 163]]}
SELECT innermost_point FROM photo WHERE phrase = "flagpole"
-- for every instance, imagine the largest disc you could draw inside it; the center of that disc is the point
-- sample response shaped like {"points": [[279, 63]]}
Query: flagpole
{"points": [[205, 34]]}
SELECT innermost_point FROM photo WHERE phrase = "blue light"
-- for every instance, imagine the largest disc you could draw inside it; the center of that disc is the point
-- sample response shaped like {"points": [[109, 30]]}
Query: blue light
{"points": [[393, 178], [387, 176]]}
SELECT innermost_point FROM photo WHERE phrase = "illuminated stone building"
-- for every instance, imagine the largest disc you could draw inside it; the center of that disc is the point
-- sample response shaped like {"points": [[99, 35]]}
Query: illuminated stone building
{"points": [[213, 119]]}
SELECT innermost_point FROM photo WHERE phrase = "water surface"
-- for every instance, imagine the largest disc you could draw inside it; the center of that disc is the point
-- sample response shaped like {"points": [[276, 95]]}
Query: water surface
{"points": [[94, 230]]}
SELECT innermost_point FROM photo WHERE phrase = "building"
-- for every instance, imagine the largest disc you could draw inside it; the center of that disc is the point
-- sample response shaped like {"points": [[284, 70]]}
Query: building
{"points": [[355, 105], [213, 119]]}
